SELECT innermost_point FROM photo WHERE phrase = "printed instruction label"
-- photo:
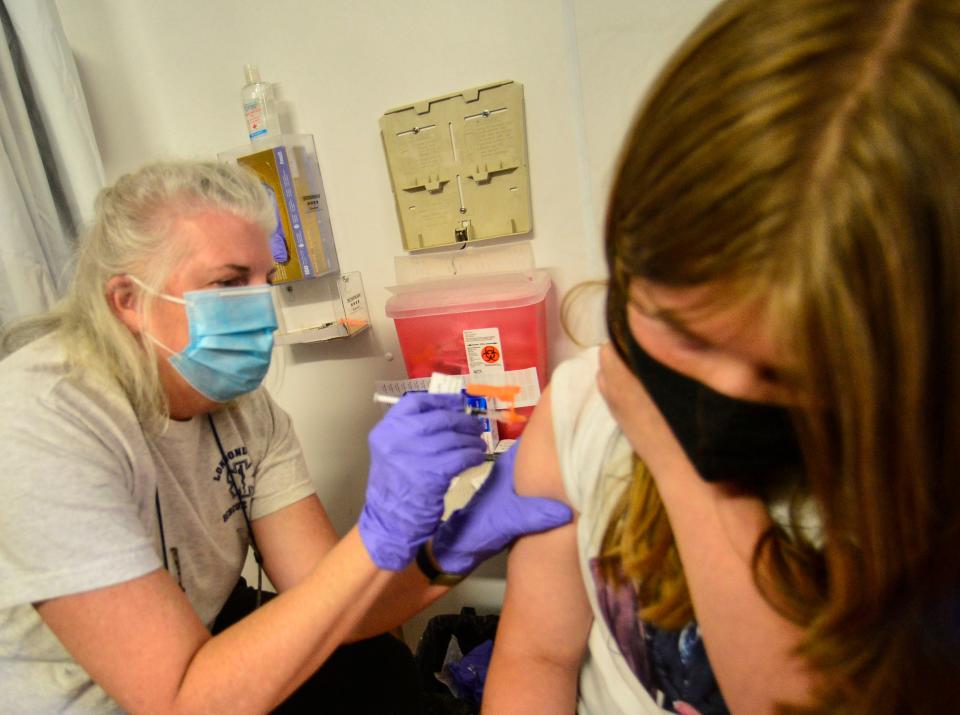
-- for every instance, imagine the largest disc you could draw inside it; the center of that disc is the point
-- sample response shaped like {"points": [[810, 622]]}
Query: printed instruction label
{"points": [[484, 350], [255, 125]]}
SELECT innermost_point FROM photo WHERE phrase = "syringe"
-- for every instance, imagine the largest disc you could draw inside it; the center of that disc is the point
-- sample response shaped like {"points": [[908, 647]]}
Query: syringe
{"points": [[476, 411]]}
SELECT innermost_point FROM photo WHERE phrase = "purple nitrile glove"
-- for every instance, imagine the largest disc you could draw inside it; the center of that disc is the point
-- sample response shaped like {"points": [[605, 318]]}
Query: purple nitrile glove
{"points": [[278, 241], [422, 443], [492, 519]]}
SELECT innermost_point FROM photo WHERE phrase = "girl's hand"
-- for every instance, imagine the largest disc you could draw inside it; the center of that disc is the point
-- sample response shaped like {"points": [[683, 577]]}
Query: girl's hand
{"points": [[638, 417]]}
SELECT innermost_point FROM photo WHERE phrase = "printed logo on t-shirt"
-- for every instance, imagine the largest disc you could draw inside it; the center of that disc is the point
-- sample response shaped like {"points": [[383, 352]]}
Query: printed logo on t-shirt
{"points": [[240, 467]]}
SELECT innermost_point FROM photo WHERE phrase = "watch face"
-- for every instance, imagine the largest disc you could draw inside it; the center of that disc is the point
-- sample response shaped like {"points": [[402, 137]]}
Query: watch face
{"points": [[447, 579], [428, 568]]}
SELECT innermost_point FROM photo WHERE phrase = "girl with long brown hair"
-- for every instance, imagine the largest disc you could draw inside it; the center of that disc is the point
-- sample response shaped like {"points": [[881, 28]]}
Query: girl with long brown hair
{"points": [[763, 460]]}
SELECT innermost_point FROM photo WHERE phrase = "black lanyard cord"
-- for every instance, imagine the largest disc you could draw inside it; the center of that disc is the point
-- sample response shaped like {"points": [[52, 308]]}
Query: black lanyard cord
{"points": [[163, 544], [163, 540]]}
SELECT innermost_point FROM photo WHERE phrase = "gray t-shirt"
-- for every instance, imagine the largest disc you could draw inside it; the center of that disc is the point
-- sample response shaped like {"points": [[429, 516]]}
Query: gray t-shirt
{"points": [[80, 483]]}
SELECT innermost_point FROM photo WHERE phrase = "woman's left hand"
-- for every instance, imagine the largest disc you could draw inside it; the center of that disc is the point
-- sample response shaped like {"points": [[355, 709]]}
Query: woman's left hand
{"points": [[493, 519]]}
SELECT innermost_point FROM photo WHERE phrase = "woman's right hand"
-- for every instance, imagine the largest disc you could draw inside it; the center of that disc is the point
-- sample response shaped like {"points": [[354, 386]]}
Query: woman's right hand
{"points": [[422, 443]]}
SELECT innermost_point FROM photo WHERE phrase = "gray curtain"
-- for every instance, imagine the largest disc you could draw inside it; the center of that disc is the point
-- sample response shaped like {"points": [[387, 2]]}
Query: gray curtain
{"points": [[50, 166]]}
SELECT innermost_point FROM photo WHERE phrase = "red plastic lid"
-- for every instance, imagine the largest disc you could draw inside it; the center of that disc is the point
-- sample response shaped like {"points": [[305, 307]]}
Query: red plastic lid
{"points": [[463, 294]]}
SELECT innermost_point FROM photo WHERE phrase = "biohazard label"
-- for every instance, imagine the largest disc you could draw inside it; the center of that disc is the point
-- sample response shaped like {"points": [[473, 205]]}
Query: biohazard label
{"points": [[484, 351]]}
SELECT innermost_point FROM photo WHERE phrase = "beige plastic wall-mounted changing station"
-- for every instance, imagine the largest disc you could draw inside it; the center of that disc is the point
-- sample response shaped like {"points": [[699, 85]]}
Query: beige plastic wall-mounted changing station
{"points": [[458, 166]]}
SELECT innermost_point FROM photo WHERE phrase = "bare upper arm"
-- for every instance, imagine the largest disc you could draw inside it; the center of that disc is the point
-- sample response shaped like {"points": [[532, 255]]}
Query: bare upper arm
{"points": [[292, 540], [546, 612], [537, 469], [135, 638]]}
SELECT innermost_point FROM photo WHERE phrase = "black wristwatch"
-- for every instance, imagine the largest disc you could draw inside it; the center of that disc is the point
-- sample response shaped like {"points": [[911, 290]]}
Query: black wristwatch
{"points": [[428, 567]]}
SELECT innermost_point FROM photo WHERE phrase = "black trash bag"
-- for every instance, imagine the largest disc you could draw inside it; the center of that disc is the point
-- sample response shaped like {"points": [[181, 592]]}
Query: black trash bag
{"points": [[471, 631]]}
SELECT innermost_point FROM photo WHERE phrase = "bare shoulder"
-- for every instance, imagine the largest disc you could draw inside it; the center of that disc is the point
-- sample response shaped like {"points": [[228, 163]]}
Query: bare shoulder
{"points": [[538, 469]]}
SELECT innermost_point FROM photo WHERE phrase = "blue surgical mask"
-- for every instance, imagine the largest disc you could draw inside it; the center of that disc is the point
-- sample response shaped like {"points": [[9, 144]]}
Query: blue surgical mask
{"points": [[231, 339]]}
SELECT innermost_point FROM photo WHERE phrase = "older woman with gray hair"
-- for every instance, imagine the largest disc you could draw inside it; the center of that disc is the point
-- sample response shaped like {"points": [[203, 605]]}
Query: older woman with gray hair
{"points": [[142, 459]]}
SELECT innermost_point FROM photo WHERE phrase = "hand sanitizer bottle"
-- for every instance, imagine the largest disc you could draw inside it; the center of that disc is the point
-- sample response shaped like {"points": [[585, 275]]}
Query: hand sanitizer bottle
{"points": [[258, 106]]}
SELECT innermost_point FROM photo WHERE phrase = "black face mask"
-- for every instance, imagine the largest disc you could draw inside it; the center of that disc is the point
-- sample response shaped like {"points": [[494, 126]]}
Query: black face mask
{"points": [[748, 443]]}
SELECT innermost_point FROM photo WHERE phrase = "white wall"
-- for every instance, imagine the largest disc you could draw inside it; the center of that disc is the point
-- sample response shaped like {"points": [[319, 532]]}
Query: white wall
{"points": [[163, 79]]}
